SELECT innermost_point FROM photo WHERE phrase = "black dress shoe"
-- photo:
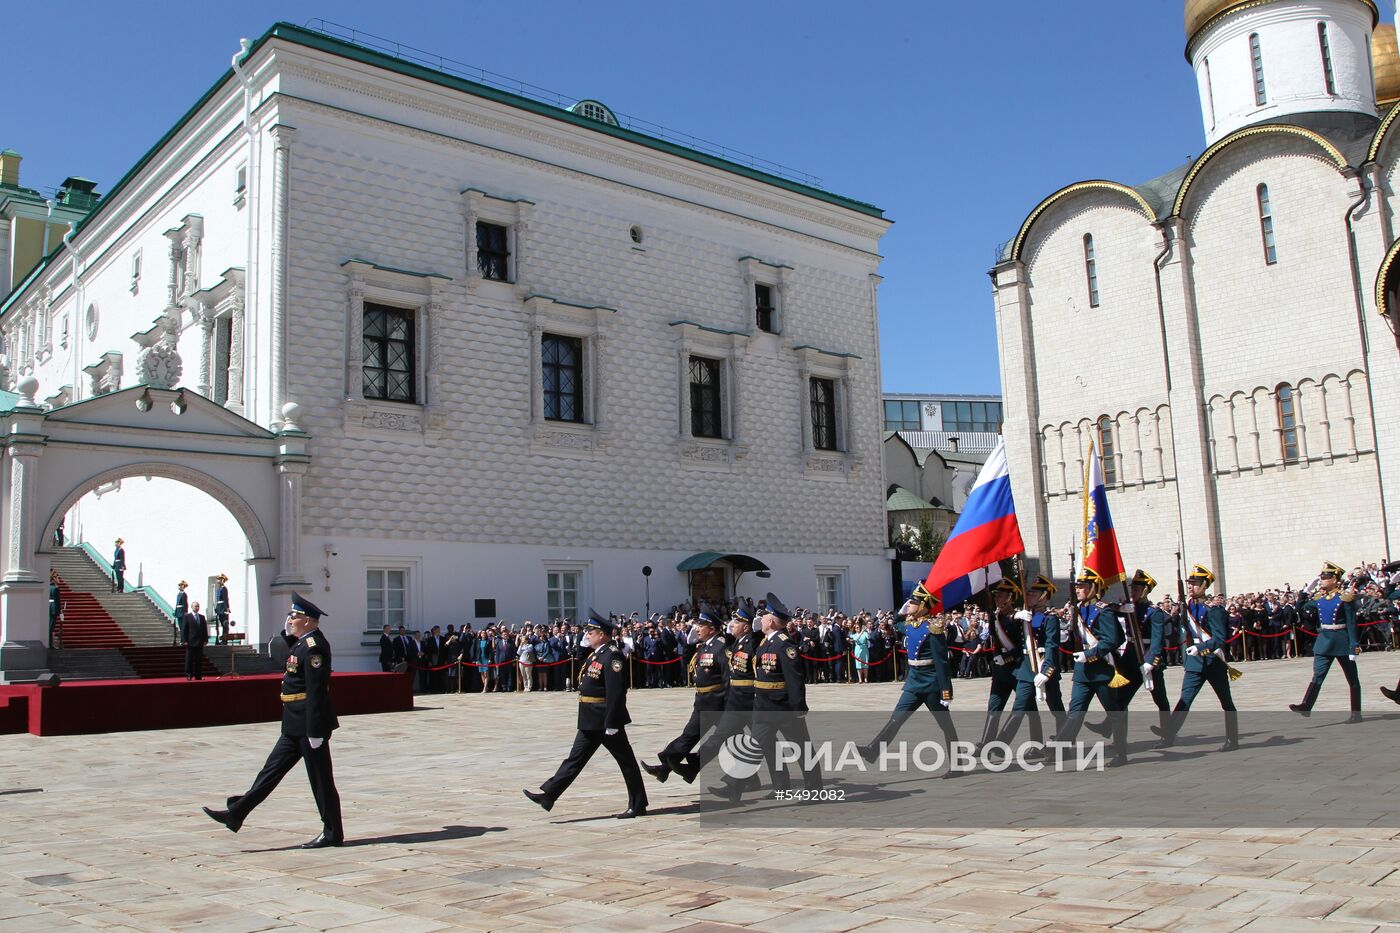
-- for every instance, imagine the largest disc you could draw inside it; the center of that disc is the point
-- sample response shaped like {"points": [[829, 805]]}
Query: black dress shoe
{"points": [[1299, 708], [688, 768], [632, 813], [869, 752], [1100, 728], [660, 772], [540, 798], [1230, 745], [1389, 694], [730, 792], [1355, 716], [323, 842], [1118, 761], [231, 822]]}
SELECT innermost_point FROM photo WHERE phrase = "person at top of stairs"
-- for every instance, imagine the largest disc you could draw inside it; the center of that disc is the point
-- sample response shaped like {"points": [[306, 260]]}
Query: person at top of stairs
{"points": [[119, 568]]}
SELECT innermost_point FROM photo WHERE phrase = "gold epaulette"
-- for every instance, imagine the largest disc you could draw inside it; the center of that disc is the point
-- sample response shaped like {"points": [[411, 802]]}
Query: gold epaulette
{"points": [[782, 636]]}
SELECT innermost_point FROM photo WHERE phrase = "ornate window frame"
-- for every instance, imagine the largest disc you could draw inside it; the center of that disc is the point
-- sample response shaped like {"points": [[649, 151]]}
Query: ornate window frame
{"points": [[777, 277], [512, 213], [546, 314], [225, 300], [423, 294], [728, 347], [816, 363]]}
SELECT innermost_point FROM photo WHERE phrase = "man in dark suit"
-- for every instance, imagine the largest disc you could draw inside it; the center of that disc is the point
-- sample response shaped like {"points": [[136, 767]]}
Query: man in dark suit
{"points": [[194, 635], [838, 648], [308, 719], [386, 650], [118, 567], [602, 720], [505, 659]]}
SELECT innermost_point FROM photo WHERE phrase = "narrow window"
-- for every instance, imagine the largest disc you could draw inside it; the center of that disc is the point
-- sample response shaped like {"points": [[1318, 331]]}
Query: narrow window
{"points": [[386, 601], [1256, 58], [389, 352], [1210, 96], [223, 346], [705, 418], [823, 398], [1110, 464], [1091, 270], [763, 307], [135, 272], [1328, 76], [1287, 423], [493, 251], [1266, 224], [562, 368]]}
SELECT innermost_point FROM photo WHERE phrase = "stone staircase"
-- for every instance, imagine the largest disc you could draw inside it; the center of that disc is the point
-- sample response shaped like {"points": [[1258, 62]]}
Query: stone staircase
{"points": [[114, 636]]}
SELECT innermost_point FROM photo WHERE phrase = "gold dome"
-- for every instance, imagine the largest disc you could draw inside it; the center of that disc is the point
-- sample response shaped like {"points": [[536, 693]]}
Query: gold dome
{"points": [[1385, 63], [1201, 12]]}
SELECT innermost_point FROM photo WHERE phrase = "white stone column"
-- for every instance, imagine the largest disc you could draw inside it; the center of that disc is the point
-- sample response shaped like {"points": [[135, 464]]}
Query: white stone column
{"points": [[292, 463], [237, 352], [282, 137], [24, 478], [205, 315]]}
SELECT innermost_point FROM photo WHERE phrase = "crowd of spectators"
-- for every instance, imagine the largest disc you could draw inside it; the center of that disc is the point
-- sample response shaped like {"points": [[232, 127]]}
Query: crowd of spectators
{"points": [[835, 648]]}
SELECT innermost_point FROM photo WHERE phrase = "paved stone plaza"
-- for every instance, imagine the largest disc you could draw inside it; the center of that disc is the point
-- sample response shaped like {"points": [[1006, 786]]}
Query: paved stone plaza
{"points": [[105, 832]]}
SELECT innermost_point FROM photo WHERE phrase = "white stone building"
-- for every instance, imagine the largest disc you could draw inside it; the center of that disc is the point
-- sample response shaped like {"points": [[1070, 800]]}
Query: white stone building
{"points": [[447, 354], [1226, 332]]}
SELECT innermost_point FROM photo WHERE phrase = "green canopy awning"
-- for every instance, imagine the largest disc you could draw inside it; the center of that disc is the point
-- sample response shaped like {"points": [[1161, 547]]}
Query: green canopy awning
{"points": [[740, 562]]}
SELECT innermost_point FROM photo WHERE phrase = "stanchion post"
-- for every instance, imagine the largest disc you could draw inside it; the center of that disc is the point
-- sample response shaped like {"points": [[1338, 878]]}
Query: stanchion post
{"points": [[459, 675]]}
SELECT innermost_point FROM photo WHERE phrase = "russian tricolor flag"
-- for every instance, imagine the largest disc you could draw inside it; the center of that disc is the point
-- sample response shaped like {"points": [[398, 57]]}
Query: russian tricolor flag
{"points": [[986, 532], [1100, 540]]}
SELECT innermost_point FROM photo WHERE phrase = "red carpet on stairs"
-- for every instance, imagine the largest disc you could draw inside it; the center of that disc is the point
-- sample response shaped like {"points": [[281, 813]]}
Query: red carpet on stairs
{"points": [[86, 624]]}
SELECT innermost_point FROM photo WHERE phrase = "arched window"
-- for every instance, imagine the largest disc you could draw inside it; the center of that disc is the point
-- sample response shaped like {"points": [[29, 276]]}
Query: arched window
{"points": [[1256, 59], [1266, 224], [1329, 78], [1106, 451], [1287, 423], [1091, 270]]}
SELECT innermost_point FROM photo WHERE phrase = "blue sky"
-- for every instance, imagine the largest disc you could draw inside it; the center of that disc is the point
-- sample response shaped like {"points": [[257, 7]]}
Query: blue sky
{"points": [[956, 118]]}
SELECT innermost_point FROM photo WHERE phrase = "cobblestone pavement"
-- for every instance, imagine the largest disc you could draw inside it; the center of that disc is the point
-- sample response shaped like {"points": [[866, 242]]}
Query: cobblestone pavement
{"points": [[105, 832]]}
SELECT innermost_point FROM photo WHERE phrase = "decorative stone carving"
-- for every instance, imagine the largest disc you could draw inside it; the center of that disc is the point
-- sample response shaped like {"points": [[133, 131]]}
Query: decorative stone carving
{"points": [[159, 366], [106, 373]]}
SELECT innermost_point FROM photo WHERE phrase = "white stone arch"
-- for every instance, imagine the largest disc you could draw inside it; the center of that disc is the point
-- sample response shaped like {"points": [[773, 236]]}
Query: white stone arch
{"points": [[242, 513]]}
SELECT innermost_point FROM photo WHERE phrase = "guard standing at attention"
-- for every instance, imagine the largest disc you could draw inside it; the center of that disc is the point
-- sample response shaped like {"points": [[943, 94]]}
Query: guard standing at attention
{"points": [[221, 607], [119, 567], [602, 720], [1334, 612], [929, 681], [711, 669], [1204, 631], [308, 719]]}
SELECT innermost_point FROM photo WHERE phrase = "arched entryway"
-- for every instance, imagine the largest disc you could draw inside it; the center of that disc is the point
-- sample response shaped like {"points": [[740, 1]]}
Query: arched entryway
{"points": [[54, 458]]}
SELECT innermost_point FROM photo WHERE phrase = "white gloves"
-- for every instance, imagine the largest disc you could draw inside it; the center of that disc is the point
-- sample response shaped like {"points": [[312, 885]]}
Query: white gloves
{"points": [[1147, 670], [1080, 657], [1352, 658], [609, 732], [946, 704], [998, 660], [1041, 680], [315, 743], [1193, 650], [1022, 616]]}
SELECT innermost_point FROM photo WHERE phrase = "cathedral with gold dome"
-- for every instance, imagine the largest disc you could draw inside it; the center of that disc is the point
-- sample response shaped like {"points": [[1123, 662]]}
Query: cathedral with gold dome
{"points": [[1241, 316]]}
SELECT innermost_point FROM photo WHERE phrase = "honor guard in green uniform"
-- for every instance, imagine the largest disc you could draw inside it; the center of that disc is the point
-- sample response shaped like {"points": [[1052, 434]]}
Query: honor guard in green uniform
{"points": [[929, 681], [1040, 667], [1007, 641], [710, 666], [602, 720], [1333, 611], [1157, 624], [1095, 636], [1203, 631], [780, 696], [308, 719]]}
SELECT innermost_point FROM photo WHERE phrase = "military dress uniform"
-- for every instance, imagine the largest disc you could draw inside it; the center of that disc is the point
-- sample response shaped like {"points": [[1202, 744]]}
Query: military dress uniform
{"points": [[602, 721], [738, 696], [308, 719], [1095, 636], [1040, 630], [1203, 630], [929, 680], [1008, 646], [1158, 625], [710, 666], [780, 699], [1334, 614]]}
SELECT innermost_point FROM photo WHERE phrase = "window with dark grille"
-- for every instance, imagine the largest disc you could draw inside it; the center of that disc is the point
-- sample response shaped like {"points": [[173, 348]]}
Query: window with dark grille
{"points": [[705, 418], [1091, 270], [493, 251], [1287, 423], [823, 414], [1106, 451], [389, 354], [223, 346], [562, 366], [1256, 61], [763, 305], [1266, 224]]}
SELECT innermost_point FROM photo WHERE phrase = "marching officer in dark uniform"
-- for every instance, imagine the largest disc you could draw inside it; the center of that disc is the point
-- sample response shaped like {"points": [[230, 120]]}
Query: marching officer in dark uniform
{"points": [[780, 696], [738, 698], [1158, 625], [929, 681], [1204, 629], [308, 719], [711, 669], [1096, 635], [1007, 641], [602, 720], [1333, 610], [1039, 669]]}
